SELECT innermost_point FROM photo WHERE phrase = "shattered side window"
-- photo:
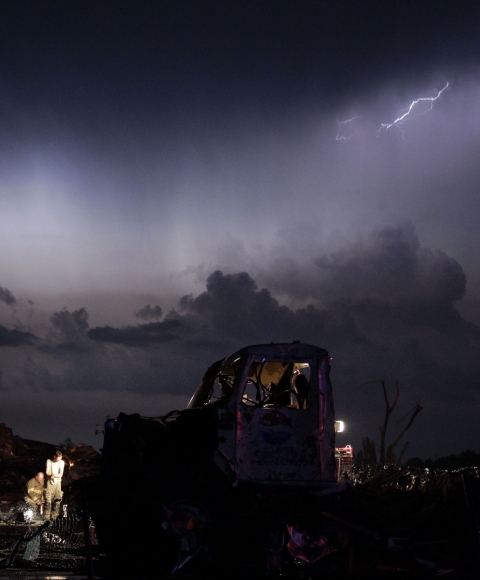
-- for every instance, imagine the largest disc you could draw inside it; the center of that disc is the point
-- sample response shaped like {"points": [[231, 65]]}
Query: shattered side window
{"points": [[222, 389], [222, 386], [216, 385], [277, 384]]}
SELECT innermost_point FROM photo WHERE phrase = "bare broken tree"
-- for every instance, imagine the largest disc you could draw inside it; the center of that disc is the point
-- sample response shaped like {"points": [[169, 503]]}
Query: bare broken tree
{"points": [[388, 457]]}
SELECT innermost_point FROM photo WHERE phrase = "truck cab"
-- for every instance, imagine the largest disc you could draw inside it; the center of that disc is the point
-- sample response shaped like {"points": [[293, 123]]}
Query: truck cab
{"points": [[263, 415], [274, 410], [260, 425]]}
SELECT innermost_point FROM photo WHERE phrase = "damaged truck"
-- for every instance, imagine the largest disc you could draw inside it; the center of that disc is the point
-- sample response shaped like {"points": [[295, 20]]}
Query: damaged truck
{"points": [[232, 479]]}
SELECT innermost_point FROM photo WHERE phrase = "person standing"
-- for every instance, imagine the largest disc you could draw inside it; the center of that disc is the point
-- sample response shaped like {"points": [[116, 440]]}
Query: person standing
{"points": [[53, 490]]}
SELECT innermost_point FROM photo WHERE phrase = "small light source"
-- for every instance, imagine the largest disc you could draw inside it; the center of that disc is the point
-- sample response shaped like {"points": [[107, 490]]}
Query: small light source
{"points": [[28, 515], [339, 426]]}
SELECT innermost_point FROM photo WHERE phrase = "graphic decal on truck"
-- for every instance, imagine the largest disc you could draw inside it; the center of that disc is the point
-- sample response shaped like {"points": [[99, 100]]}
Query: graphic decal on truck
{"points": [[275, 428]]}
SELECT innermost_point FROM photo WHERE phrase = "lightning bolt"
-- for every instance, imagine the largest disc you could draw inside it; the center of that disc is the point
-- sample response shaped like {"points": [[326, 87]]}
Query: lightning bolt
{"points": [[407, 116], [341, 137]]}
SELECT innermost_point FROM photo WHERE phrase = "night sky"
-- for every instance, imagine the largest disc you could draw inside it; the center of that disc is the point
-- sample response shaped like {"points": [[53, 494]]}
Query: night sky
{"points": [[179, 179]]}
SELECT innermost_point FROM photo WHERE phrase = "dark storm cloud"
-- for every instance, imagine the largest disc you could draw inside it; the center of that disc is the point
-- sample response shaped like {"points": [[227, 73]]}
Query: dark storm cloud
{"points": [[6, 296], [390, 264], [232, 311], [387, 264], [149, 313], [69, 331], [15, 337], [70, 324], [141, 334], [233, 306], [68, 360], [378, 294]]}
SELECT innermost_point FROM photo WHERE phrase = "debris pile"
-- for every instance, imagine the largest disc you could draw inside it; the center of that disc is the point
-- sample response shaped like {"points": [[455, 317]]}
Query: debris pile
{"points": [[377, 529], [413, 521], [58, 545]]}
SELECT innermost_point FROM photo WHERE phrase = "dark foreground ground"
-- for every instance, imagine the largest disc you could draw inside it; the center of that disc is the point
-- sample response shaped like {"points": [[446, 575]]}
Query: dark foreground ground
{"points": [[396, 523], [393, 524], [29, 575]]}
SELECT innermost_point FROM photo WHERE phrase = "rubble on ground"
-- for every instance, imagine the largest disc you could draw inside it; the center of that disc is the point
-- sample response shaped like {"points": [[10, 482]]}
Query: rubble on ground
{"points": [[398, 522]]}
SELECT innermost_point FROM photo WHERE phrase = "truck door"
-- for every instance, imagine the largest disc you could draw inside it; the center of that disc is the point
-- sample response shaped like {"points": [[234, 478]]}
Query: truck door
{"points": [[278, 422]]}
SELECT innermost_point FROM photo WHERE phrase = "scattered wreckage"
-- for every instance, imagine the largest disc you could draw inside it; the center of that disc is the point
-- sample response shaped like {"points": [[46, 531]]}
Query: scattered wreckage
{"points": [[246, 481]]}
